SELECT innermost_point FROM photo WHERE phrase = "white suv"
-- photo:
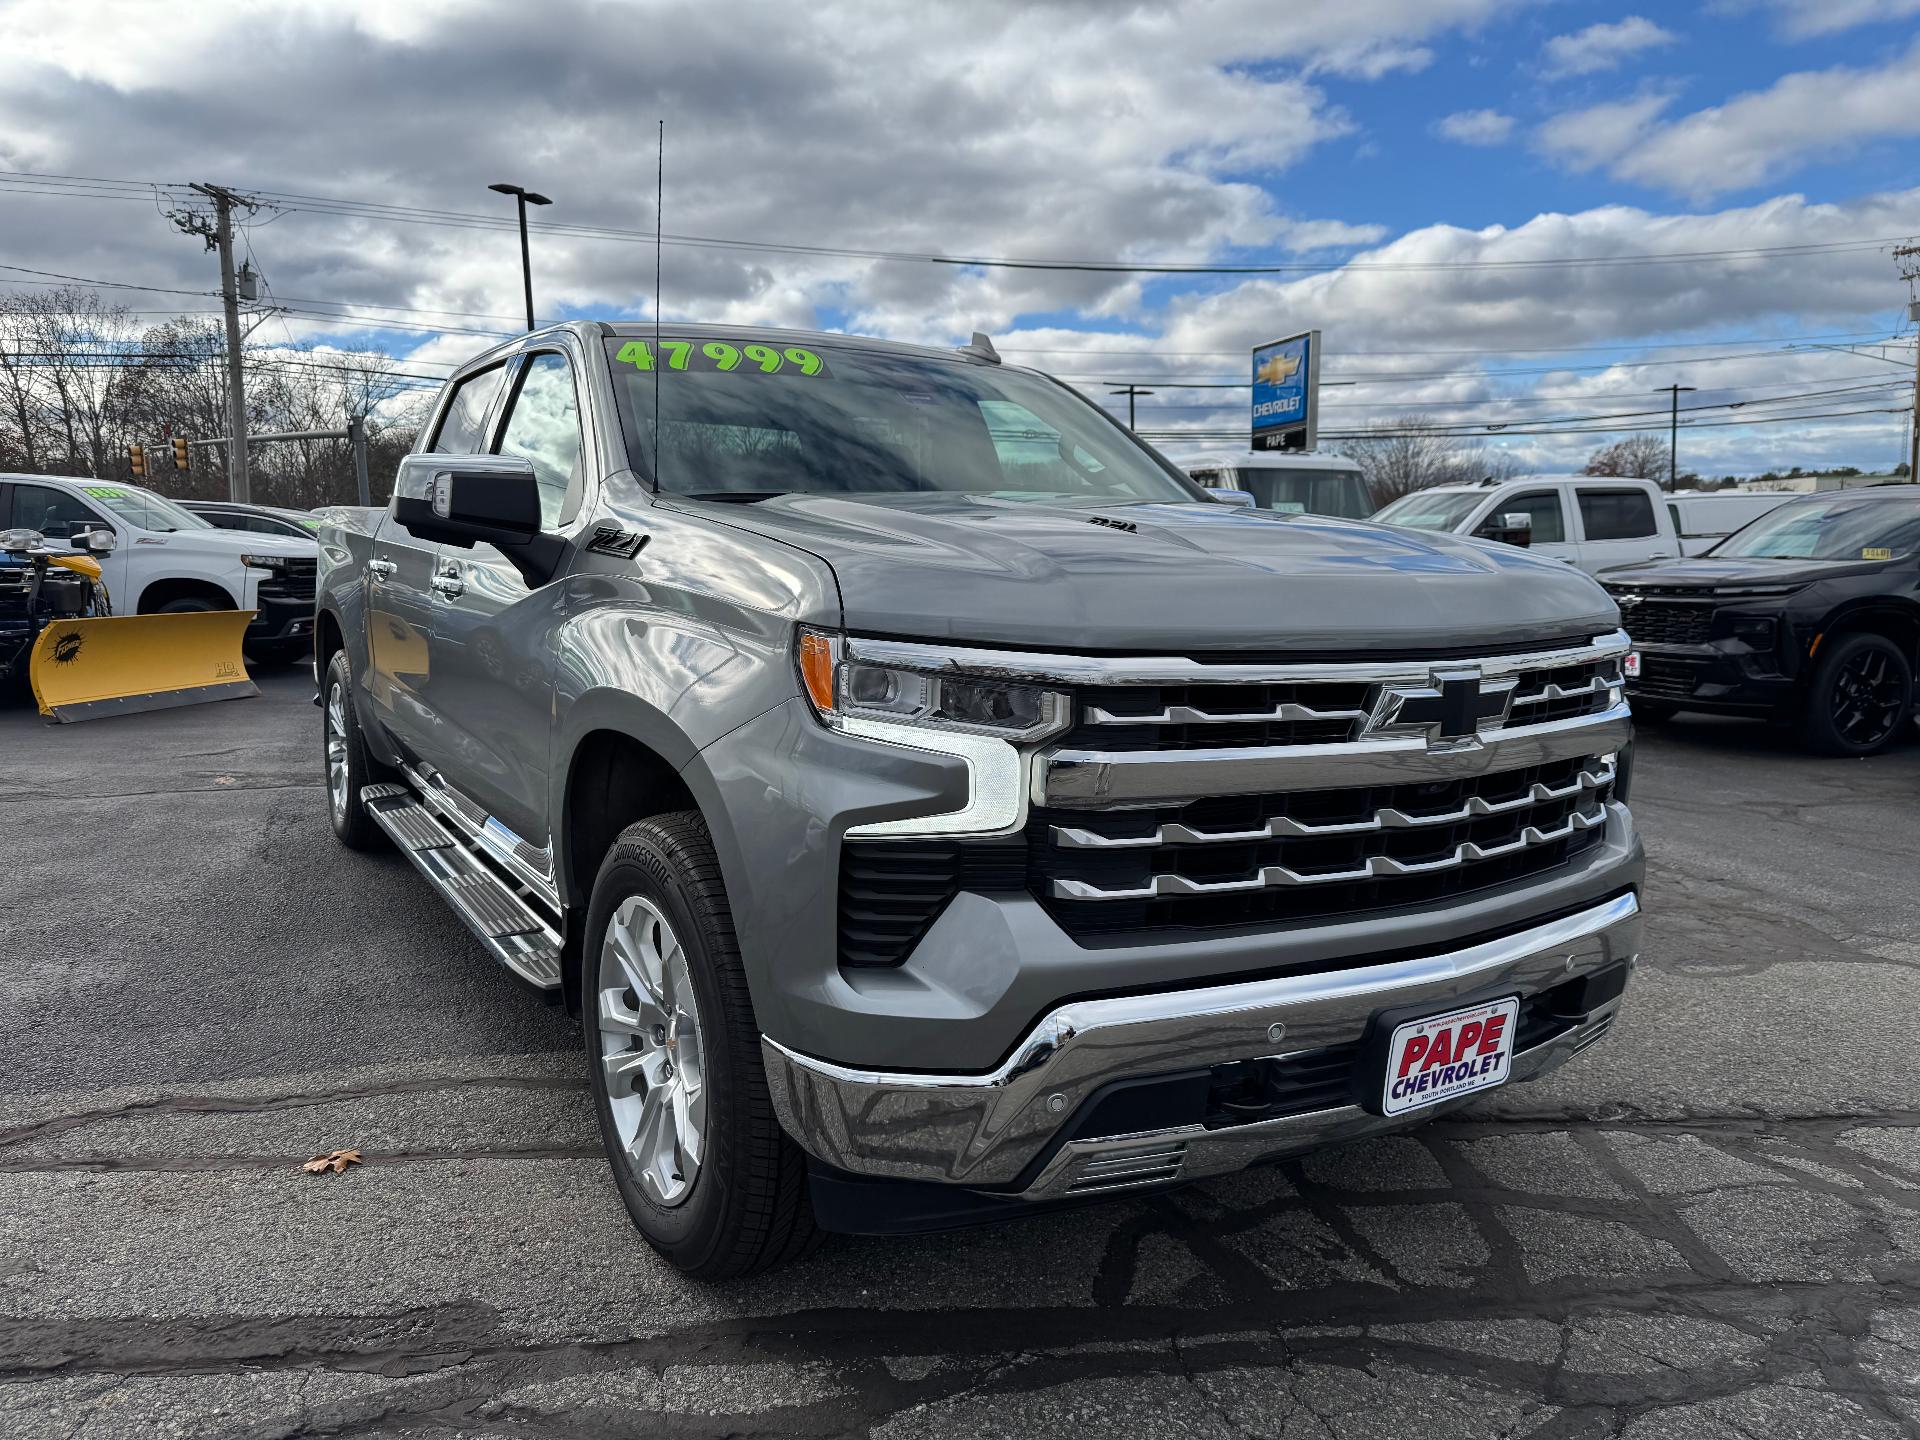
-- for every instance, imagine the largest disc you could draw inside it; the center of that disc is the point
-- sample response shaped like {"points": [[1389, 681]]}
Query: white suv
{"points": [[166, 559]]}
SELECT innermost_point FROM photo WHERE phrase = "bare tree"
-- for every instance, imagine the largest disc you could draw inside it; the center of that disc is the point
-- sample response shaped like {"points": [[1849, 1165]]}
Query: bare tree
{"points": [[1639, 457], [80, 382], [1410, 453]]}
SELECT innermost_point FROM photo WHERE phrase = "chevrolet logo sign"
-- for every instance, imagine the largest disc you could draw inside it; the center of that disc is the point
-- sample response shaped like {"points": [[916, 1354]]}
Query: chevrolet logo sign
{"points": [[1452, 709]]}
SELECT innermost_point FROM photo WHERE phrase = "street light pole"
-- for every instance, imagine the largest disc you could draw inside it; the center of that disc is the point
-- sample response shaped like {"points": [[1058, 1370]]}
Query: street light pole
{"points": [[523, 198], [1673, 436]]}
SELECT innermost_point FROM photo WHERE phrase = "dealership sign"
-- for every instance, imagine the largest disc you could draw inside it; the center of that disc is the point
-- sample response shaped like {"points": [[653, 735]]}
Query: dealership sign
{"points": [[1286, 393]]}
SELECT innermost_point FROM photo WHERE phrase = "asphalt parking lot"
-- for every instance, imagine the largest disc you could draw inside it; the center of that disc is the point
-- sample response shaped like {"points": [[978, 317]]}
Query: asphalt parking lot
{"points": [[1709, 1226]]}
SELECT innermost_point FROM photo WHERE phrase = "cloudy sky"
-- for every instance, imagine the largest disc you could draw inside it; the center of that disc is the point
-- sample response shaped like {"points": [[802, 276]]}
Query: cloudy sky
{"points": [[1523, 213]]}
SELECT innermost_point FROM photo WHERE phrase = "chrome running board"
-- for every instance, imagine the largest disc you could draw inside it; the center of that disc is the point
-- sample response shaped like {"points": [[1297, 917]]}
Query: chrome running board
{"points": [[504, 914]]}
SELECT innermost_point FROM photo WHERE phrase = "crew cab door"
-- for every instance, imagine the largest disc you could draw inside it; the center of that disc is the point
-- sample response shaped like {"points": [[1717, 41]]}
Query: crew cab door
{"points": [[399, 585], [1619, 526], [492, 684], [1546, 506]]}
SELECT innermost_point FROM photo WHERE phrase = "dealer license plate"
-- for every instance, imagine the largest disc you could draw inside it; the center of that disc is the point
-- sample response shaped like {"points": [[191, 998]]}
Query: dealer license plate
{"points": [[1631, 665], [1446, 1056]]}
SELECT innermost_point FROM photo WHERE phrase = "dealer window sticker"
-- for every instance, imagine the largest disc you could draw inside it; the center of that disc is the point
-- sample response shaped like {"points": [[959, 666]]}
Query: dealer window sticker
{"points": [[718, 355], [1876, 552], [103, 492]]}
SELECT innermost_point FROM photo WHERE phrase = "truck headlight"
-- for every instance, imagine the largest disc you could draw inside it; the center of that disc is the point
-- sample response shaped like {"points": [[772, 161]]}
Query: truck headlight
{"points": [[843, 686], [275, 563]]}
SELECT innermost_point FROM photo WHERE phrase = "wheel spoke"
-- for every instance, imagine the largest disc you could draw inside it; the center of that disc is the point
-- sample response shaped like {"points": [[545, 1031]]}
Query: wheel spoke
{"points": [[618, 1017], [687, 1139]]}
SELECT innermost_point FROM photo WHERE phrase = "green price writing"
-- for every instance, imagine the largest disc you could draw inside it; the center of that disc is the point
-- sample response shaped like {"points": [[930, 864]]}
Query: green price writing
{"points": [[720, 356], [102, 492]]}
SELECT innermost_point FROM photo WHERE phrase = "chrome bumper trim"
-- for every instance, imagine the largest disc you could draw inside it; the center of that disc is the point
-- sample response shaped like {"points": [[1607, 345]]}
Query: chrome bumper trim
{"points": [[986, 1129], [1096, 779]]}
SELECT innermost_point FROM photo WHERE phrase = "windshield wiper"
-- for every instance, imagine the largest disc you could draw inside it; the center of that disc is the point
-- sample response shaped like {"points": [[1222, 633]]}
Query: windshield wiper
{"points": [[736, 497]]}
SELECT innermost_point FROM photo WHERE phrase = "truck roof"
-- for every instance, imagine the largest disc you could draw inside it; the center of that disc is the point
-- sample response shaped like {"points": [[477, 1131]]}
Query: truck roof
{"points": [[589, 331], [1269, 460]]}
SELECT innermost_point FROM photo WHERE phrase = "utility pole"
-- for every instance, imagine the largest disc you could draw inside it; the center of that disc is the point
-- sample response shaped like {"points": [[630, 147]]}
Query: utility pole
{"points": [[1673, 436], [1132, 392], [1907, 257], [218, 233]]}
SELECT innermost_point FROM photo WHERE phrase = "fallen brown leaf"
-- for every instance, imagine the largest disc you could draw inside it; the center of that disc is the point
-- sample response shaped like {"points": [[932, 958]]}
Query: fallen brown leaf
{"points": [[334, 1160]]}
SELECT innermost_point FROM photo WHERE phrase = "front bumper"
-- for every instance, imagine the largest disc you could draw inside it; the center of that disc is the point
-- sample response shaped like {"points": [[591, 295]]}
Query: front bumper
{"points": [[1030, 1129], [277, 620], [1724, 676]]}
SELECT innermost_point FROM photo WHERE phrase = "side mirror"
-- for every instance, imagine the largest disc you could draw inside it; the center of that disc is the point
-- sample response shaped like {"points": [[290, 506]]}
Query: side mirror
{"points": [[97, 541], [20, 541], [468, 500], [1230, 497], [1511, 529], [460, 499]]}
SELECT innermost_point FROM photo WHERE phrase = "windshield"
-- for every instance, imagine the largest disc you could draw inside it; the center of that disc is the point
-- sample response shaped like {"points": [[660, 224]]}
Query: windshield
{"points": [[1428, 510], [143, 509], [749, 420], [1314, 492], [1841, 527]]}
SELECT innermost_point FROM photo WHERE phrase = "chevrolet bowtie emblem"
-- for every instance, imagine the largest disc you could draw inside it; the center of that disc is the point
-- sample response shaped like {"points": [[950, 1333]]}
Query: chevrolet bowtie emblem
{"points": [[1451, 709]]}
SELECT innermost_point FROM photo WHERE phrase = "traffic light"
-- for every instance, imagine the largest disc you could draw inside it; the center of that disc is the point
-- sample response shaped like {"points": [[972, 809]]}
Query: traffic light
{"points": [[137, 459], [179, 454]]}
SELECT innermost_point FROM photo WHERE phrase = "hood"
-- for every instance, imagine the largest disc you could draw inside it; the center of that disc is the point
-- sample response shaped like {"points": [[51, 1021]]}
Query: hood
{"points": [[227, 542], [1187, 576], [1704, 572]]}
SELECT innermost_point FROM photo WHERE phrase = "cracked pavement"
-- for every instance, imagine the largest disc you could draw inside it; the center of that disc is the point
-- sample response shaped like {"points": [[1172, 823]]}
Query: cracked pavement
{"points": [[1707, 1226]]}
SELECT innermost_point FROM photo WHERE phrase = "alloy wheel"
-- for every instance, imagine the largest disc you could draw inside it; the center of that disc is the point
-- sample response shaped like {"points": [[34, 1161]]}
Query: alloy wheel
{"points": [[651, 1050], [1867, 698], [336, 738]]}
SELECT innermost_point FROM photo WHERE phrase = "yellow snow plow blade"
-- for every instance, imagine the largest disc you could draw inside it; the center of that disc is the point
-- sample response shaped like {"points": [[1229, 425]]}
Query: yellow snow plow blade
{"points": [[120, 664]]}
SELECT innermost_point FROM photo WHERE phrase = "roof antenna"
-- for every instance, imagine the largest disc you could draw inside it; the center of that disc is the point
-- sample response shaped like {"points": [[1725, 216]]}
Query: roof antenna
{"points": [[659, 205], [981, 348]]}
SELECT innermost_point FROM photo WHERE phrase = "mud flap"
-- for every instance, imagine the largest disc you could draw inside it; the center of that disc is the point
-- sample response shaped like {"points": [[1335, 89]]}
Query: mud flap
{"points": [[122, 664]]}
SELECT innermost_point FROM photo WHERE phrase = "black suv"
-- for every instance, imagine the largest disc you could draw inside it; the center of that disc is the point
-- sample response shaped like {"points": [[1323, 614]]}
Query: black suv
{"points": [[1810, 614]]}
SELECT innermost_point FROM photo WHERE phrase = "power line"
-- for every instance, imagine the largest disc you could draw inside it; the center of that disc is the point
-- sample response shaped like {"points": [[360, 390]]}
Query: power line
{"points": [[420, 215]]}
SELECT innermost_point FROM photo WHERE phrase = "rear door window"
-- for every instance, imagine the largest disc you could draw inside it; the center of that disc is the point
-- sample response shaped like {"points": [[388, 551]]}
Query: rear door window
{"points": [[1617, 515], [463, 425]]}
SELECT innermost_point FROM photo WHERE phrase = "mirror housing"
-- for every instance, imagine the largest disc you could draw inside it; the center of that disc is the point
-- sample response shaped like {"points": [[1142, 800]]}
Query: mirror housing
{"points": [[97, 540], [20, 541], [1226, 495], [1514, 528], [468, 500]]}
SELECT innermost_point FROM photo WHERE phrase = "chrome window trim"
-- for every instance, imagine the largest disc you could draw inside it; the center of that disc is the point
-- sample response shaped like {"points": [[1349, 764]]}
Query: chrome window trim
{"points": [[1043, 669]]}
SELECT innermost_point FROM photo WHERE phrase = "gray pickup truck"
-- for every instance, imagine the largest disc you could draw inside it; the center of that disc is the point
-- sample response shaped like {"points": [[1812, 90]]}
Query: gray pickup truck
{"points": [[937, 808]]}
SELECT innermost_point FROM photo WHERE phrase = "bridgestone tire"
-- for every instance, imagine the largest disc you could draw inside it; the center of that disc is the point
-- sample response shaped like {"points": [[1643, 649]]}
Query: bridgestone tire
{"points": [[1818, 730], [748, 1209], [355, 828]]}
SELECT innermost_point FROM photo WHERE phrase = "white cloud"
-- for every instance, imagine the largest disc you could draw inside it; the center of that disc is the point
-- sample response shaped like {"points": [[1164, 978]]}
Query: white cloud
{"points": [[1604, 46], [1749, 139], [1070, 129], [1801, 19], [1476, 127], [1601, 134]]}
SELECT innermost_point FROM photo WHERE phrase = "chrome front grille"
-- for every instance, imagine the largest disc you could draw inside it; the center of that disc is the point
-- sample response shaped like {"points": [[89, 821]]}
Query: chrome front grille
{"points": [[1334, 704]]}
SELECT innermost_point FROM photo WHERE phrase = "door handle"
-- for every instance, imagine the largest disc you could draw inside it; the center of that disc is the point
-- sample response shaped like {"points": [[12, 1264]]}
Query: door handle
{"points": [[380, 569], [447, 584]]}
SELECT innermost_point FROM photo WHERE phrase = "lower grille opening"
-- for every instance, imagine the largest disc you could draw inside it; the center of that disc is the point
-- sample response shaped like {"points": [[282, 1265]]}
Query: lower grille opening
{"points": [[891, 891]]}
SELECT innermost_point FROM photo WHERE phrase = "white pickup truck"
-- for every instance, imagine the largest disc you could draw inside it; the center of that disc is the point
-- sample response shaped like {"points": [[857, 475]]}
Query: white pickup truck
{"points": [[1595, 522], [165, 559]]}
